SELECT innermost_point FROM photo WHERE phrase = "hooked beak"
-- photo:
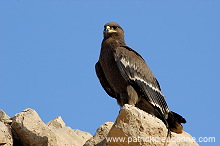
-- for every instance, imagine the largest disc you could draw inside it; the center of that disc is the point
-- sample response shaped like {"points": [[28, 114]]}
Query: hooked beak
{"points": [[108, 29]]}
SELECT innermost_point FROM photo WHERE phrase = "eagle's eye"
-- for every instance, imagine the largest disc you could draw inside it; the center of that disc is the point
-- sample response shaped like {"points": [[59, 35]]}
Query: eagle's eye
{"points": [[114, 27]]}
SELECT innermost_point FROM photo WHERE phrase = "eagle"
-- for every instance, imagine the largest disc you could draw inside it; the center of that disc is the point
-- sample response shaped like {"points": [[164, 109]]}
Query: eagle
{"points": [[125, 76]]}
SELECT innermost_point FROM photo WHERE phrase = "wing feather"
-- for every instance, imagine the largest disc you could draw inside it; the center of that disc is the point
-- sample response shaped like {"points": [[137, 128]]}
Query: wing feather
{"points": [[135, 70], [100, 74]]}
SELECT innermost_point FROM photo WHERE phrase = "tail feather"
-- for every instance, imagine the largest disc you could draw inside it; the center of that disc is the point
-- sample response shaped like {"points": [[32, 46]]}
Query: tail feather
{"points": [[174, 121], [179, 118]]}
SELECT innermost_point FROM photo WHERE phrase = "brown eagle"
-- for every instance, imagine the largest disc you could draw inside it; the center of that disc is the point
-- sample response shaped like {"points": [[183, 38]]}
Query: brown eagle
{"points": [[125, 76]]}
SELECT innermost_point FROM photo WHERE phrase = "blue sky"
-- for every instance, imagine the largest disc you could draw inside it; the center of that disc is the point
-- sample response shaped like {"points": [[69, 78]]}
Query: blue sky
{"points": [[48, 50]]}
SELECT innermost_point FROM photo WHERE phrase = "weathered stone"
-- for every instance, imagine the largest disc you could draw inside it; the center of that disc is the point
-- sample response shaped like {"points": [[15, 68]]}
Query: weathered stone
{"points": [[136, 127], [133, 127], [4, 117], [6, 138], [32, 131], [66, 135], [84, 136], [57, 123], [100, 136]]}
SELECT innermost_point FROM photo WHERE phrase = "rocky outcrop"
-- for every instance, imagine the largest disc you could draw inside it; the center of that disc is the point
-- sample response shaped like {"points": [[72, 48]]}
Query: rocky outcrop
{"points": [[133, 127], [99, 139], [5, 135], [29, 130]]}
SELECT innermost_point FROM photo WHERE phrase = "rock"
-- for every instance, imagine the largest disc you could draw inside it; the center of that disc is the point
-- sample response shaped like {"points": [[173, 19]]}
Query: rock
{"points": [[6, 138], [100, 136], [4, 117], [32, 131], [133, 127], [66, 135], [136, 127], [84, 136], [56, 123]]}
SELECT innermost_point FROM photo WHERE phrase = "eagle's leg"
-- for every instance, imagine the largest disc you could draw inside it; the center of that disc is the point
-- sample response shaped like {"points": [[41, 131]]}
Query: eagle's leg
{"points": [[128, 97], [132, 95]]}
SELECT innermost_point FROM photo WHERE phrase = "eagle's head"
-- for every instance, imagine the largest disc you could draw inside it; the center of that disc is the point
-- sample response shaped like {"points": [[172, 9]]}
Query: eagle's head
{"points": [[113, 29]]}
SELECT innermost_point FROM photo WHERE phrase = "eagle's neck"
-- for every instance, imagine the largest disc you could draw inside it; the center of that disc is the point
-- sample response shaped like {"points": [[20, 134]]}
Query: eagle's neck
{"points": [[113, 42]]}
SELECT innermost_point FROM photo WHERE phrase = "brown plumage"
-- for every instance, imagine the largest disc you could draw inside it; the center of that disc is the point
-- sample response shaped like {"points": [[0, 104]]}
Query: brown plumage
{"points": [[125, 76]]}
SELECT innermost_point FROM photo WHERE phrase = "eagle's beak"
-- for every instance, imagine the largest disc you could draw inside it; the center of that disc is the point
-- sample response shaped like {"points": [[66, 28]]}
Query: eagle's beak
{"points": [[108, 29]]}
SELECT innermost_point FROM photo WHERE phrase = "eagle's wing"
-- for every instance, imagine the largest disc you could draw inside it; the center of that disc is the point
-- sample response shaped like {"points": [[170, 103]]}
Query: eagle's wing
{"points": [[135, 70], [100, 74]]}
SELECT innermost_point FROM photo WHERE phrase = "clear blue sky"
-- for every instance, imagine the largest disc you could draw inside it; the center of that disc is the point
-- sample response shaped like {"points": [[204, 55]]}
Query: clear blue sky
{"points": [[48, 49]]}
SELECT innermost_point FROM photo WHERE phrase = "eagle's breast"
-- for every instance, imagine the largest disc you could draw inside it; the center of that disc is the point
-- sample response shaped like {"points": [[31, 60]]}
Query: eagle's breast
{"points": [[111, 70]]}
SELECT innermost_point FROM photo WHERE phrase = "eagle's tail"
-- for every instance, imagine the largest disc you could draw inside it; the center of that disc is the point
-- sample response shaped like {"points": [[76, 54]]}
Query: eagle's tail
{"points": [[174, 121]]}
